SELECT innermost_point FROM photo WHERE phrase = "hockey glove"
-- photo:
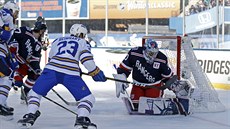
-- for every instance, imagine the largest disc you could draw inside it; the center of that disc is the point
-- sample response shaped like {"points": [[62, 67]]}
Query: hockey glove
{"points": [[98, 75], [181, 89], [13, 62], [4, 35], [120, 86]]}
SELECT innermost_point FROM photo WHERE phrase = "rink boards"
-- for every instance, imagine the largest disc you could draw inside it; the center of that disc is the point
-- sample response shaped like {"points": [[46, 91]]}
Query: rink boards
{"points": [[215, 63]]}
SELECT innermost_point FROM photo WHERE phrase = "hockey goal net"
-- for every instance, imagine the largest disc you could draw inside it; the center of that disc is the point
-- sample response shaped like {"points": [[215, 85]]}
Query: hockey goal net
{"points": [[182, 60]]}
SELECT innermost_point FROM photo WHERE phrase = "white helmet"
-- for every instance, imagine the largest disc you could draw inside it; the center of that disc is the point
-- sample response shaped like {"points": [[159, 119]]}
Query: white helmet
{"points": [[11, 5], [78, 29]]}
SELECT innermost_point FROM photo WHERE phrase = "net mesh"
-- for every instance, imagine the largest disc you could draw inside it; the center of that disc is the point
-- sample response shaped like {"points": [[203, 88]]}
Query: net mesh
{"points": [[204, 97]]}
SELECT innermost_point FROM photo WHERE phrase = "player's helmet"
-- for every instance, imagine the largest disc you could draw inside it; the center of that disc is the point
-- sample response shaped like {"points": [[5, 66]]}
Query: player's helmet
{"points": [[39, 26], [11, 5], [78, 29], [150, 50], [40, 19]]}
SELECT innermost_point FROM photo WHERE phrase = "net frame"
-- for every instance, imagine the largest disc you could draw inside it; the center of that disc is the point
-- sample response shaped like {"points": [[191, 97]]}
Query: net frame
{"points": [[205, 97]]}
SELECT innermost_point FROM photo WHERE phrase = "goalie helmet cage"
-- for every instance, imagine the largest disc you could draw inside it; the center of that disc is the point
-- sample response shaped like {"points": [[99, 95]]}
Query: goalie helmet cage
{"points": [[182, 60]]}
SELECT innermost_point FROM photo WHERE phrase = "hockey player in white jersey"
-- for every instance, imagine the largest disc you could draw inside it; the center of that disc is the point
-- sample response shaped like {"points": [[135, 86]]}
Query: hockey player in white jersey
{"points": [[63, 68], [9, 14], [7, 68]]}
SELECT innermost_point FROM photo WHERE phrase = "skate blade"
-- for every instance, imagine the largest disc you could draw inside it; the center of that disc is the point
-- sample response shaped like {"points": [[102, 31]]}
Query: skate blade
{"points": [[89, 127], [7, 118], [22, 102], [92, 127], [24, 125]]}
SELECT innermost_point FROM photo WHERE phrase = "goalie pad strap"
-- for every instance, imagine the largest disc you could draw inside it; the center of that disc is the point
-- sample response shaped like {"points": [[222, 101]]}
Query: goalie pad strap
{"points": [[180, 107]]}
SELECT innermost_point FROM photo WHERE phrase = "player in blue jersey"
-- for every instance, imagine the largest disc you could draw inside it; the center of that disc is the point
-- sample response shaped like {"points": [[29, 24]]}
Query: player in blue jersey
{"points": [[149, 66], [63, 68]]}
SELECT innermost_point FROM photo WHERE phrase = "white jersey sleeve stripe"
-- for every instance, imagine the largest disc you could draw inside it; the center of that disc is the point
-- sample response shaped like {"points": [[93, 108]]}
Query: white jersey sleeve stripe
{"points": [[94, 72], [83, 52], [83, 60]]}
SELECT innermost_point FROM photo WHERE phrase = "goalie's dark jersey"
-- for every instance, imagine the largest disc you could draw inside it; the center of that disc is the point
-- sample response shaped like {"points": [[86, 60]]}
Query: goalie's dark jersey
{"points": [[28, 47], [142, 71]]}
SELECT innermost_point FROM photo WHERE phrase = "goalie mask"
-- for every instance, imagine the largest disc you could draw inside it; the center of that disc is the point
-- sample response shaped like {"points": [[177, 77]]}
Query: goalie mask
{"points": [[150, 50], [78, 30]]}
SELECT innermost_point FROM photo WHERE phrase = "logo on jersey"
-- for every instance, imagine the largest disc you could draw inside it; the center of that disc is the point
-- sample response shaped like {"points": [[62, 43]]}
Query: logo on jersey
{"points": [[156, 65], [37, 48], [144, 71], [29, 47]]}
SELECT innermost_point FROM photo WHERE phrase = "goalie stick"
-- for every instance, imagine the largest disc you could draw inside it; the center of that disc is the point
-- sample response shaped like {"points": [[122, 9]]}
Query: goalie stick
{"points": [[167, 84]]}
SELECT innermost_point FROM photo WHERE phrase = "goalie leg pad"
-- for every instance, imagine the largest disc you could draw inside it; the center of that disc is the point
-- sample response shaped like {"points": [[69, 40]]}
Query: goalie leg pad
{"points": [[163, 106]]}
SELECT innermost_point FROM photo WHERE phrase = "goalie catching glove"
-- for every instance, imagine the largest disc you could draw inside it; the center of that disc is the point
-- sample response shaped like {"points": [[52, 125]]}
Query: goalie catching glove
{"points": [[181, 89], [120, 86]]}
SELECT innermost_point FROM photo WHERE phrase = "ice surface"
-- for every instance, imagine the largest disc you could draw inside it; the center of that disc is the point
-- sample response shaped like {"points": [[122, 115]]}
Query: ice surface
{"points": [[109, 112]]}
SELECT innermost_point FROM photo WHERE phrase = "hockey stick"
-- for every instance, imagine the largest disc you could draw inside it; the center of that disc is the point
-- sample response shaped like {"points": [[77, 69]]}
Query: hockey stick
{"points": [[167, 84], [52, 90], [66, 102], [129, 99], [24, 94], [60, 105]]}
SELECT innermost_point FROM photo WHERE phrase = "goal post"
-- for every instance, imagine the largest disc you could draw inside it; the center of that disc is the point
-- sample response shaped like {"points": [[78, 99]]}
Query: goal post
{"points": [[183, 61]]}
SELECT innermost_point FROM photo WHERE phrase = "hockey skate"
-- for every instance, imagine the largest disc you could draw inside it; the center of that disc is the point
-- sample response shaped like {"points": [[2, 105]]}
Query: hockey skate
{"points": [[6, 112], [84, 123], [28, 120]]}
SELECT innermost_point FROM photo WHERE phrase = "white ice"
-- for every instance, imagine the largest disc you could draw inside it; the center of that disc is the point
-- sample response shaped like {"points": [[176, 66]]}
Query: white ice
{"points": [[109, 112]]}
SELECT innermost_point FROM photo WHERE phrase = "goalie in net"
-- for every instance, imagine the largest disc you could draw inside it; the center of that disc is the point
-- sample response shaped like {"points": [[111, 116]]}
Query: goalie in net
{"points": [[149, 66], [183, 62]]}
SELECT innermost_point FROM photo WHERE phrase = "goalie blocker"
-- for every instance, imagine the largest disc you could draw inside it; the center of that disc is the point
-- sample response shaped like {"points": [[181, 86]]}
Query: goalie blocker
{"points": [[159, 106]]}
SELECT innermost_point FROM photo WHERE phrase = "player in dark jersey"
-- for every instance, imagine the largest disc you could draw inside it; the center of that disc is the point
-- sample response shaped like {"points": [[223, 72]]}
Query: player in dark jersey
{"points": [[149, 66], [26, 45]]}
